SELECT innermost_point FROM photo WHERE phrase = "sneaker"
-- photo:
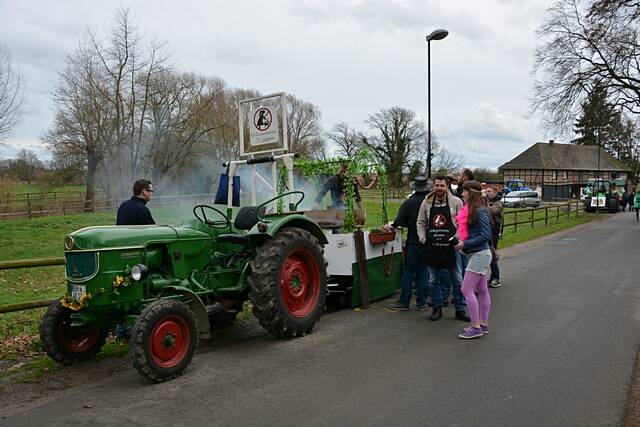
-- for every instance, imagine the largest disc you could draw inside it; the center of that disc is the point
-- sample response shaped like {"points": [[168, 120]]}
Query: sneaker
{"points": [[485, 329], [422, 308], [398, 306], [495, 283], [471, 333], [462, 315]]}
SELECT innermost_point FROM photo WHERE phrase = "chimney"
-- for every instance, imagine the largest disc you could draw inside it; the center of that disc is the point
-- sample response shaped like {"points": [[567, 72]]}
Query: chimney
{"points": [[551, 141]]}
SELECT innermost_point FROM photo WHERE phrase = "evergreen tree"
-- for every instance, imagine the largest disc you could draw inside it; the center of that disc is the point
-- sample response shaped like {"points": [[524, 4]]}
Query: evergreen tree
{"points": [[599, 123]]}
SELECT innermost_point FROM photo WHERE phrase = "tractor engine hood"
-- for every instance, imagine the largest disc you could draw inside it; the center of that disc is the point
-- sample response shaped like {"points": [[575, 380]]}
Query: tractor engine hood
{"points": [[103, 237]]}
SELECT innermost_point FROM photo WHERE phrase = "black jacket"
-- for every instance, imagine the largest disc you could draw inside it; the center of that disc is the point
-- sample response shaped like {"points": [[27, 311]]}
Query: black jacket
{"points": [[408, 216], [134, 212], [335, 184]]}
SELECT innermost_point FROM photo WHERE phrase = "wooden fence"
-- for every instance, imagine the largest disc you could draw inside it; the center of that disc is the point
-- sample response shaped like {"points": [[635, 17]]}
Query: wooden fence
{"points": [[30, 208], [529, 216]]}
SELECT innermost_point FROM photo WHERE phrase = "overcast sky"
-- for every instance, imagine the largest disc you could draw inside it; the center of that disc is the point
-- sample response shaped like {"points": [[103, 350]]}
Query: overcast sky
{"points": [[351, 58]]}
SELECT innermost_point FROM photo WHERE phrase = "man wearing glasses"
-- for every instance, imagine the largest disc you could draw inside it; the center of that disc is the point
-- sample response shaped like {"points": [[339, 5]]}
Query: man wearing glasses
{"points": [[134, 211]]}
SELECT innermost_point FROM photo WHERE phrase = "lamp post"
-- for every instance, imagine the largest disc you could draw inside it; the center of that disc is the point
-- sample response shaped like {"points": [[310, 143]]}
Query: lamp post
{"points": [[435, 35]]}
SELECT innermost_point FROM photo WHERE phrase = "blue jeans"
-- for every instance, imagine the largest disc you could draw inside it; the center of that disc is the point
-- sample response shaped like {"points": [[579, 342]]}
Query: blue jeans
{"points": [[414, 267], [436, 284], [495, 270]]}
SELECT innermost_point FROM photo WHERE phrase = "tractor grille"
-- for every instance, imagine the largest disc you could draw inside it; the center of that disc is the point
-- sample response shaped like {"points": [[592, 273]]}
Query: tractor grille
{"points": [[81, 266]]}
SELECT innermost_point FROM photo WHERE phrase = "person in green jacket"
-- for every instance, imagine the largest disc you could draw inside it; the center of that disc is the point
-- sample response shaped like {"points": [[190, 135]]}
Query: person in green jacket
{"points": [[636, 205]]}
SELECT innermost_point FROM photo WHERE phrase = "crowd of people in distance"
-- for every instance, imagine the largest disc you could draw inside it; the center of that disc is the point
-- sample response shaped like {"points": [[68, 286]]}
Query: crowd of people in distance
{"points": [[452, 237]]}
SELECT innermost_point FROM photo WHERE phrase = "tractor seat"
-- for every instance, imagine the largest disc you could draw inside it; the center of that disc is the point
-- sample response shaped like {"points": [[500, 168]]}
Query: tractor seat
{"points": [[247, 217], [238, 239]]}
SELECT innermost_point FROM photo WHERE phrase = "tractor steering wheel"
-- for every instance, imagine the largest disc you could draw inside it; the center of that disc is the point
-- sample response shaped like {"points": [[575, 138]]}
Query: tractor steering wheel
{"points": [[220, 224]]}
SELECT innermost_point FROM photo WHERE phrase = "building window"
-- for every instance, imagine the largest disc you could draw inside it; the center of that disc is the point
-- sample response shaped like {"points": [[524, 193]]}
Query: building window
{"points": [[565, 175], [554, 175]]}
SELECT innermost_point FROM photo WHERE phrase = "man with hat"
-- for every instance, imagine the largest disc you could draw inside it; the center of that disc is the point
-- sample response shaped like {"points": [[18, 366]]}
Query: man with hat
{"points": [[414, 265]]}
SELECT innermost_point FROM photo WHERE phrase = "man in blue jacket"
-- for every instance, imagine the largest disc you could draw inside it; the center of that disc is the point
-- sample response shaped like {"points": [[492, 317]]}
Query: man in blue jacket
{"points": [[134, 211]]}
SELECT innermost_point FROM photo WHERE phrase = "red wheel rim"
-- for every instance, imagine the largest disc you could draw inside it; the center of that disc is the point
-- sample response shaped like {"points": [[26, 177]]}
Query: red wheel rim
{"points": [[169, 341], [77, 340], [300, 283]]}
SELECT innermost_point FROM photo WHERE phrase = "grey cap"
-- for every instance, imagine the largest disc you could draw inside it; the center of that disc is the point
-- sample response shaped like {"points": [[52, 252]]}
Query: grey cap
{"points": [[420, 184]]}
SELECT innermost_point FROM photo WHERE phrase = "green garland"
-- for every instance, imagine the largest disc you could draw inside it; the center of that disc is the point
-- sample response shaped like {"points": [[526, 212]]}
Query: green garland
{"points": [[283, 177], [362, 163]]}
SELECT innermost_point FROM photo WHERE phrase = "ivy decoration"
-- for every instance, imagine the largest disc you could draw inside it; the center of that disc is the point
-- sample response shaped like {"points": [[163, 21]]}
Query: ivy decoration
{"points": [[363, 163], [283, 177]]}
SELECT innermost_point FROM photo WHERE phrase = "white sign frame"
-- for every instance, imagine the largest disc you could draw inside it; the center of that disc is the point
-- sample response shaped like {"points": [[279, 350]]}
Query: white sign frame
{"points": [[247, 109]]}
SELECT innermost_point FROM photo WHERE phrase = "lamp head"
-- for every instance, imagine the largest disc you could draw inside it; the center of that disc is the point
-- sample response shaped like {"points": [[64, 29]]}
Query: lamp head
{"points": [[437, 34]]}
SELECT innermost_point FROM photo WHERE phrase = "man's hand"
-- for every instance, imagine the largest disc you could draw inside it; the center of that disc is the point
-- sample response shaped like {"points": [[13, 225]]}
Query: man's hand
{"points": [[388, 227], [459, 246]]}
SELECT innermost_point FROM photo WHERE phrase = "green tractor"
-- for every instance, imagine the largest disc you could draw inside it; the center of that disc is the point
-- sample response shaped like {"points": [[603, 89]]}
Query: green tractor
{"points": [[167, 282]]}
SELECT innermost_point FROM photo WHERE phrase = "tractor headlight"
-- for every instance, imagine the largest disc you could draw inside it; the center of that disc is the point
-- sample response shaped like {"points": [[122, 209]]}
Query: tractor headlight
{"points": [[68, 242], [139, 272]]}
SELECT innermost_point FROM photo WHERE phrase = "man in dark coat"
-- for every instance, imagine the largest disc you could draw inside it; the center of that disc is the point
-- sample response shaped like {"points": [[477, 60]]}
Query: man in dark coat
{"points": [[414, 264], [134, 211], [335, 184]]}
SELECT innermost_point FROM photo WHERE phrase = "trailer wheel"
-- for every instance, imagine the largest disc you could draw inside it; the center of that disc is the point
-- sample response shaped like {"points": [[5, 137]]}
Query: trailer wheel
{"points": [[66, 344], [289, 283], [163, 340]]}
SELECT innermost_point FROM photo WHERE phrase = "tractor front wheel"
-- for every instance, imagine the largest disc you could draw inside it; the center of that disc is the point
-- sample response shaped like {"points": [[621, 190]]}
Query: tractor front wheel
{"points": [[289, 283], [66, 344], [163, 340]]}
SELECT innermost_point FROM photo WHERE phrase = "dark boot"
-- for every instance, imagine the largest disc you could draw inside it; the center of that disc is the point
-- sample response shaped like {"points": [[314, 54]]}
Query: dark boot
{"points": [[462, 315], [436, 314]]}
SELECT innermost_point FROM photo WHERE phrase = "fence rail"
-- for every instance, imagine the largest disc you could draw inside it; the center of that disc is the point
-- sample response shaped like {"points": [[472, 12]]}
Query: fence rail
{"points": [[31, 209], [530, 217]]}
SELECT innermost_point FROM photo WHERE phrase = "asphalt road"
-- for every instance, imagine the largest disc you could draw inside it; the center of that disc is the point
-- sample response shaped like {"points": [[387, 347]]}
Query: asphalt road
{"points": [[564, 336]]}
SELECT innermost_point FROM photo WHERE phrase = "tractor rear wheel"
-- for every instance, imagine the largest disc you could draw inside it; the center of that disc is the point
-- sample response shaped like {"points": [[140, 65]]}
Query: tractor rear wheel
{"points": [[289, 283], [66, 344], [163, 340]]}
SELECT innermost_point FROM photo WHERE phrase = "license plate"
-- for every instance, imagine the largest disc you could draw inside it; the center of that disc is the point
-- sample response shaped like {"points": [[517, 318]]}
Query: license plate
{"points": [[77, 291]]}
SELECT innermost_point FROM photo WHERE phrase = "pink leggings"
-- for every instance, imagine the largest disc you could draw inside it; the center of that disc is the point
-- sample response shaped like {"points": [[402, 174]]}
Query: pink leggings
{"points": [[476, 283]]}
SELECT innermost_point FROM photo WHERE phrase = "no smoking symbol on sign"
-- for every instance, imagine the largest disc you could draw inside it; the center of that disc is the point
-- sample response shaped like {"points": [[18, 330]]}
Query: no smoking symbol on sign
{"points": [[262, 119]]}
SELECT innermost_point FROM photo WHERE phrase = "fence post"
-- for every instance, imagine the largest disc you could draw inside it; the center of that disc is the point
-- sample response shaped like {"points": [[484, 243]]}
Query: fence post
{"points": [[546, 216], [532, 216], [28, 205], [557, 212], [515, 221]]}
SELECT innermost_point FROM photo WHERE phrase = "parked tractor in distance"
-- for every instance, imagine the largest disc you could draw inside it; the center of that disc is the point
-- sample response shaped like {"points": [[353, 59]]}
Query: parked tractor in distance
{"points": [[167, 282], [601, 194]]}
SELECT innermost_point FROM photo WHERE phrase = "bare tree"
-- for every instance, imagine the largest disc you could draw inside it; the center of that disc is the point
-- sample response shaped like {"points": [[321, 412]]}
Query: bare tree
{"points": [[82, 127], [399, 135], [305, 132], [347, 139], [445, 161], [128, 67], [180, 118], [11, 94], [582, 47]]}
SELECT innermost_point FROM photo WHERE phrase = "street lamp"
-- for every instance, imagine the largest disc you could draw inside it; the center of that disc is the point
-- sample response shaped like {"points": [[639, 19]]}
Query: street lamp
{"points": [[435, 35]]}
